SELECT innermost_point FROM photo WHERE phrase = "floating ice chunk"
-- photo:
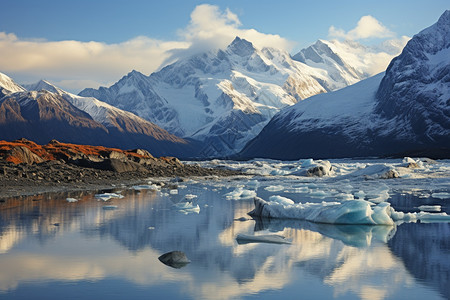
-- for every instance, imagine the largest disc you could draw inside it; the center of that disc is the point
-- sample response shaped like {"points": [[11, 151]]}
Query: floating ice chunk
{"points": [[71, 200], [107, 196], [349, 212], [110, 207], [240, 194], [254, 184], [152, 187], [344, 196], [282, 200], [187, 207], [359, 194], [190, 196], [274, 188], [380, 171], [307, 163], [319, 194], [173, 192], [432, 208], [268, 238], [442, 195]]}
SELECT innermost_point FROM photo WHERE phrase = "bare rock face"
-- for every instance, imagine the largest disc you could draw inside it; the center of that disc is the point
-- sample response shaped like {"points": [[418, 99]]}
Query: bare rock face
{"points": [[24, 155], [174, 259]]}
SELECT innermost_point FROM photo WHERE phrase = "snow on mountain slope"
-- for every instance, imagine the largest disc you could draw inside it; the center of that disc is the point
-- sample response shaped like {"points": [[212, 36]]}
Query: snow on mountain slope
{"points": [[348, 62], [407, 109], [335, 124], [416, 89], [222, 98], [9, 85], [106, 114]]}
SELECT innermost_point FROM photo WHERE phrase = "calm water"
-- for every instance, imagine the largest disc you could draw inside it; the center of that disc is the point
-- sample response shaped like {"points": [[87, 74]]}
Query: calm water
{"points": [[53, 249]]}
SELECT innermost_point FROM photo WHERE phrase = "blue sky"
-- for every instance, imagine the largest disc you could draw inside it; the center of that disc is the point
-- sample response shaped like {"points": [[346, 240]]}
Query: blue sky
{"points": [[133, 33]]}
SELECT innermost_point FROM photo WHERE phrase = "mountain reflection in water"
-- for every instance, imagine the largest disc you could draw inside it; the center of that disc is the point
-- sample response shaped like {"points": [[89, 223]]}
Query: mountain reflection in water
{"points": [[46, 239]]}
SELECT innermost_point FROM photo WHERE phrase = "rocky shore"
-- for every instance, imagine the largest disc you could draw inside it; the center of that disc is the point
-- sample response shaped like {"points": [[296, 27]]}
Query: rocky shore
{"points": [[27, 168]]}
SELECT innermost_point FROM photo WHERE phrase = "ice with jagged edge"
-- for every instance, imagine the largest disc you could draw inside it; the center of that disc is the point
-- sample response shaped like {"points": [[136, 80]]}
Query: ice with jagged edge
{"points": [[352, 212]]}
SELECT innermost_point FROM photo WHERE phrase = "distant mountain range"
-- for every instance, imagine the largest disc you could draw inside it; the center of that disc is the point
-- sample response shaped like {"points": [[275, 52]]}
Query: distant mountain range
{"points": [[224, 98], [215, 104], [404, 110], [46, 112]]}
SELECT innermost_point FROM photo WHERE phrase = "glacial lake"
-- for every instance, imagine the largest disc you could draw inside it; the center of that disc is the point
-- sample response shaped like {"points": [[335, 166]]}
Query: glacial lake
{"points": [[55, 248]]}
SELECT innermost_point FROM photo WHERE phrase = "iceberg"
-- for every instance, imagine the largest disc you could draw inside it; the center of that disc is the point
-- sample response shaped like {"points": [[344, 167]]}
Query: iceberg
{"points": [[442, 195], [187, 207], [355, 212], [240, 194], [71, 200]]}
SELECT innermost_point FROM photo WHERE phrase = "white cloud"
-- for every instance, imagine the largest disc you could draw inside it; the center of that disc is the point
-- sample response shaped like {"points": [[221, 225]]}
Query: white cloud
{"points": [[74, 62], [367, 27]]}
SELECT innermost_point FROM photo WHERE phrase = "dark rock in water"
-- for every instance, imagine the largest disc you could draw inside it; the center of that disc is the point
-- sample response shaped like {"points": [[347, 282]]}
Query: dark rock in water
{"points": [[174, 259]]}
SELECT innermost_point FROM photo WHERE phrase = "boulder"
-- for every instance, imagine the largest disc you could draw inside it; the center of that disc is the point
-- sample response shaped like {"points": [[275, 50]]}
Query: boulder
{"points": [[174, 259], [23, 155]]}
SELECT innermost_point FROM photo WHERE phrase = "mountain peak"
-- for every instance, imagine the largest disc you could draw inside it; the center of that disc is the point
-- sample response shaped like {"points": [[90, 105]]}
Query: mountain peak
{"points": [[241, 47], [42, 85], [7, 83]]}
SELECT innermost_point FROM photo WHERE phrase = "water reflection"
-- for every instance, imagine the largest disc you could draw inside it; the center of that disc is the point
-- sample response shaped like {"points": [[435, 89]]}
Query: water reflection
{"points": [[89, 243]]}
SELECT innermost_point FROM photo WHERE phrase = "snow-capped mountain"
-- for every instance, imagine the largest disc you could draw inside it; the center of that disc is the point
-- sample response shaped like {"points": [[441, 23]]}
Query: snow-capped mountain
{"points": [[7, 85], [347, 62], [406, 109], [47, 112], [224, 98]]}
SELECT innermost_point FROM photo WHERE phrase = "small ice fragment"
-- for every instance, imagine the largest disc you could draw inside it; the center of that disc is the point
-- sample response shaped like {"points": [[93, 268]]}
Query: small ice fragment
{"points": [[187, 207], [274, 188], [319, 194], [190, 196], [152, 187], [107, 196], [240, 194], [268, 238], [151, 228], [442, 195], [282, 200], [71, 200], [173, 192], [431, 208]]}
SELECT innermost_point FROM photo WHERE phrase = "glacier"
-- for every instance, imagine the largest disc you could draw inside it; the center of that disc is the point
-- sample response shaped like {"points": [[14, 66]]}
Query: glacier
{"points": [[402, 111]]}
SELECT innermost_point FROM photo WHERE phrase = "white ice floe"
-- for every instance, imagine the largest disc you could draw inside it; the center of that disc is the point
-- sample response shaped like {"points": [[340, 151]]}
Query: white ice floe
{"points": [[240, 194], [190, 196], [319, 194], [431, 208], [282, 200], [107, 196], [377, 171], [71, 200], [152, 187], [274, 188], [348, 212], [268, 238], [173, 192], [187, 207], [442, 195]]}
